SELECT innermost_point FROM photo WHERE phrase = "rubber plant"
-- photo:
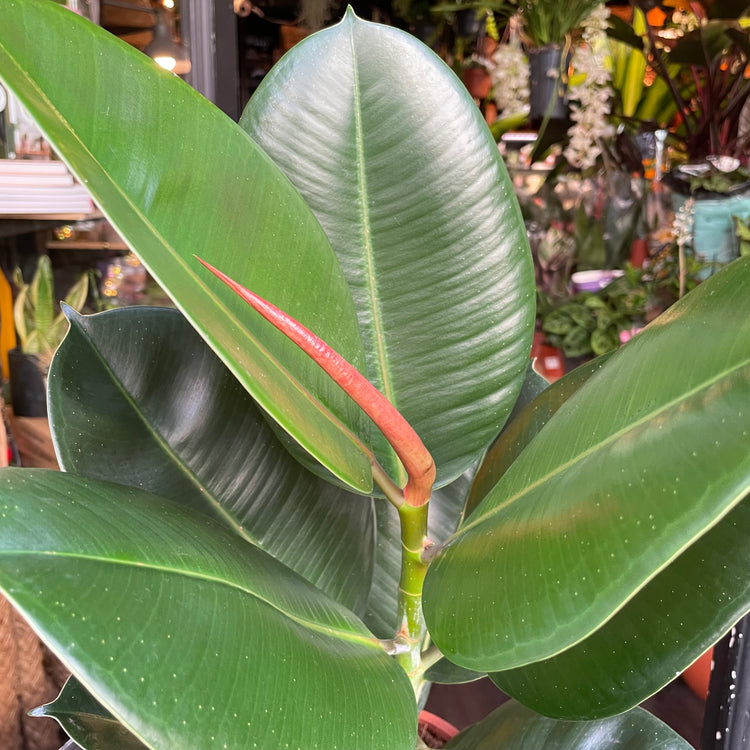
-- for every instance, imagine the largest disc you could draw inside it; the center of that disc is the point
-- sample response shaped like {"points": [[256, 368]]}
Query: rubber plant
{"points": [[240, 555]]}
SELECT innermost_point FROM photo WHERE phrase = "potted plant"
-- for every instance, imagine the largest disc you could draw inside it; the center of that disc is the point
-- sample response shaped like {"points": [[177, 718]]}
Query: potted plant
{"points": [[702, 60], [225, 569], [40, 327], [546, 29]]}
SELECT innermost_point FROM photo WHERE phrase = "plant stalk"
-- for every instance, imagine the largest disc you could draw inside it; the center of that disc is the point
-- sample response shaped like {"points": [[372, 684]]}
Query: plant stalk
{"points": [[412, 631]]}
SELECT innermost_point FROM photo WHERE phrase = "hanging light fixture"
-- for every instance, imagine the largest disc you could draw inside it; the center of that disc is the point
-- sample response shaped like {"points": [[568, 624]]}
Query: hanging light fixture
{"points": [[164, 48]]}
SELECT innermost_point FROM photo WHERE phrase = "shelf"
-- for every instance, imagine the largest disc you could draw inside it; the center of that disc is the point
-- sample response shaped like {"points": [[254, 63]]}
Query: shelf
{"points": [[85, 245], [15, 224], [51, 217]]}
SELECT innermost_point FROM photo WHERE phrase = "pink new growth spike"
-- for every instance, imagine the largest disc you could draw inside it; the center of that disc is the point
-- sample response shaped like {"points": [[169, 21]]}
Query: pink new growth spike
{"points": [[417, 461]]}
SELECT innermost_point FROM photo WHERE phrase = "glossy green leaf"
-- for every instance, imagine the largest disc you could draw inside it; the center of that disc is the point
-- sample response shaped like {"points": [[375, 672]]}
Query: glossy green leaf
{"points": [[394, 158], [444, 671], [655, 636], [447, 673], [189, 635], [136, 397], [514, 727], [177, 178], [533, 385], [538, 401], [651, 452], [523, 426], [87, 721]]}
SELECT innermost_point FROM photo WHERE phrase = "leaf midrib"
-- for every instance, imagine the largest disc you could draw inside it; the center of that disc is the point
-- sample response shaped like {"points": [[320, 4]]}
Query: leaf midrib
{"points": [[210, 497], [380, 348], [307, 624], [600, 445]]}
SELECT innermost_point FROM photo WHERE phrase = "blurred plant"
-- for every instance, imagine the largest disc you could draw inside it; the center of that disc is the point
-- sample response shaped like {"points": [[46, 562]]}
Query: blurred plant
{"points": [[701, 57], [554, 253], [547, 22], [590, 323], [462, 26], [582, 223], [590, 92], [593, 323], [667, 276], [640, 96], [712, 179], [742, 231], [509, 74], [588, 80]]}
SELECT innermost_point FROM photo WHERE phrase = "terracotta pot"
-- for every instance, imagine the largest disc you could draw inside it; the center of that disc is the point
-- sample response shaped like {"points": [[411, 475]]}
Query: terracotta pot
{"points": [[548, 360], [477, 80], [434, 731], [698, 674]]}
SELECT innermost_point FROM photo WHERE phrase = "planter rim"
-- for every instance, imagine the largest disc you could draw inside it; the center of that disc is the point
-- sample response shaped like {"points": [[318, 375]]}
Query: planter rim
{"points": [[440, 726]]}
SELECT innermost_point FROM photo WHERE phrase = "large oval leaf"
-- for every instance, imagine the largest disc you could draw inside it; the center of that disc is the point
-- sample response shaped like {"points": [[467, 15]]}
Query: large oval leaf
{"points": [[136, 397], [536, 404], [514, 727], [654, 637], [187, 634], [389, 150], [177, 178], [640, 462], [523, 425]]}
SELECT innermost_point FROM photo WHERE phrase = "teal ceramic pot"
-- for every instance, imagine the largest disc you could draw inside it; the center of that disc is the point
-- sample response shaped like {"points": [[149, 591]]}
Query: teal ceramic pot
{"points": [[714, 235]]}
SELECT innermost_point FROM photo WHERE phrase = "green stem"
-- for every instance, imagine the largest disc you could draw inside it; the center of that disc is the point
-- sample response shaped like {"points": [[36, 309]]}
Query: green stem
{"points": [[393, 493], [412, 629], [432, 655]]}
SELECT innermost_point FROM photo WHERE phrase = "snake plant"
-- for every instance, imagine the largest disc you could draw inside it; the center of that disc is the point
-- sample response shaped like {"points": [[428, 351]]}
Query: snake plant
{"points": [[40, 325]]}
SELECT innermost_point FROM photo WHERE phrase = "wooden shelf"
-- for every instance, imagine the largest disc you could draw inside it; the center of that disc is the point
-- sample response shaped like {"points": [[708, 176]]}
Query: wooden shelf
{"points": [[85, 245], [15, 224], [51, 217]]}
